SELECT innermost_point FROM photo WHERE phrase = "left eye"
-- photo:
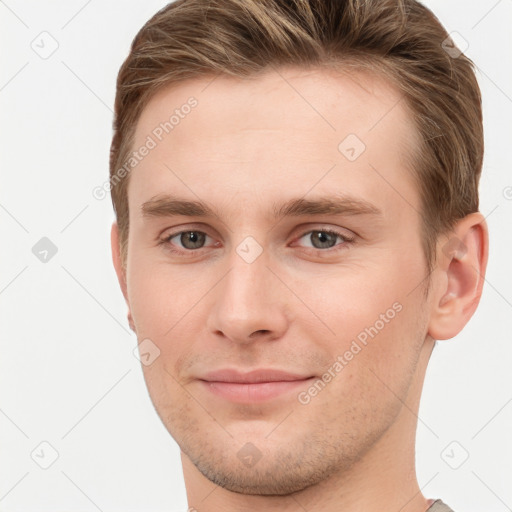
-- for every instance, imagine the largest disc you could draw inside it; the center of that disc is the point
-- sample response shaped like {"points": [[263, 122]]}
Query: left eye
{"points": [[324, 239], [189, 239]]}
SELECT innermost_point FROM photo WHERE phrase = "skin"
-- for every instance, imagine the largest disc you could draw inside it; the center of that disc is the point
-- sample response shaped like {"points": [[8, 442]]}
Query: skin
{"points": [[250, 144]]}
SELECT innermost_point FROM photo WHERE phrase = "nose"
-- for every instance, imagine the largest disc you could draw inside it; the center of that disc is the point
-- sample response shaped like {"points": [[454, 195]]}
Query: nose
{"points": [[250, 303]]}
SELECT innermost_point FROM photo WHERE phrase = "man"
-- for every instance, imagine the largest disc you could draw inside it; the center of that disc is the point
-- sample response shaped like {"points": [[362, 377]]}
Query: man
{"points": [[296, 191]]}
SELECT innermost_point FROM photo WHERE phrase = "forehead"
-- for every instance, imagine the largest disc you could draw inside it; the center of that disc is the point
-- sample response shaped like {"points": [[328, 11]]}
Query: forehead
{"points": [[336, 99], [281, 130]]}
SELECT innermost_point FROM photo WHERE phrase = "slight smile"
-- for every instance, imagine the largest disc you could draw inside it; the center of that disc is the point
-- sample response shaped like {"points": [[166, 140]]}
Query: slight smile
{"points": [[252, 387]]}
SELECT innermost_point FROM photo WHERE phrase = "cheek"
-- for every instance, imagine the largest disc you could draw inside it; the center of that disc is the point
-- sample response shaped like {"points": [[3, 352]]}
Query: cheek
{"points": [[166, 309], [363, 302], [155, 300], [368, 381], [379, 320]]}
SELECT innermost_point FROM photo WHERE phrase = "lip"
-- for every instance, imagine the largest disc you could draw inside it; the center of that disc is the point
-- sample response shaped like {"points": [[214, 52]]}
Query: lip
{"points": [[254, 386]]}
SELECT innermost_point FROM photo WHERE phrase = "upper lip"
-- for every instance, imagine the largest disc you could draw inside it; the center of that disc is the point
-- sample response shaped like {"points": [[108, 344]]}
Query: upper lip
{"points": [[254, 376]]}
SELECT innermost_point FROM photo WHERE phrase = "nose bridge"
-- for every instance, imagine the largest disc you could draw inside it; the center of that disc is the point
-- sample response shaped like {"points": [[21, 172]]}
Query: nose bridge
{"points": [[242, 287], [248, 300]]}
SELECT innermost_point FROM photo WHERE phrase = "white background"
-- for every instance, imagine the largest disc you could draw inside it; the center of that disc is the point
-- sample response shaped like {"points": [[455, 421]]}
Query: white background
{"points": [[67, 372]]}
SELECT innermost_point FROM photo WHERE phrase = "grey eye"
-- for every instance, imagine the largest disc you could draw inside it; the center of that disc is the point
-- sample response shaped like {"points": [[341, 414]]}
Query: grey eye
{"points": [[192, 239], [323, 239]]}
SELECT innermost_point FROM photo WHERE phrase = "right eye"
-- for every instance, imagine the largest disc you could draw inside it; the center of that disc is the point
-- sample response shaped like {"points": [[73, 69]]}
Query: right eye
{"points": [[190, 240]]}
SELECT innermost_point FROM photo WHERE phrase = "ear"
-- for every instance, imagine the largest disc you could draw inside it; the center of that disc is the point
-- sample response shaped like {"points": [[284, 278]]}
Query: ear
{"points": [[462, 261], [120, 269]]}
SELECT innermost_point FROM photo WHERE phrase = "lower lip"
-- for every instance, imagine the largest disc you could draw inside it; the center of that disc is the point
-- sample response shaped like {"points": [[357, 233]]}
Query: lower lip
{"points": [[255, 392]]}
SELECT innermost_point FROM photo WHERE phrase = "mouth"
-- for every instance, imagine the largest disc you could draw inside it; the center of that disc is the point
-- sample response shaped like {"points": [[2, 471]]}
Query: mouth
{"points": [[252, 387]]}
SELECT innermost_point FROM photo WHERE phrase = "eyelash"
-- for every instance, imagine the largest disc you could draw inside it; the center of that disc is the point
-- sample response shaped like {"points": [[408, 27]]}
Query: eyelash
{"points": [[347, 240]]}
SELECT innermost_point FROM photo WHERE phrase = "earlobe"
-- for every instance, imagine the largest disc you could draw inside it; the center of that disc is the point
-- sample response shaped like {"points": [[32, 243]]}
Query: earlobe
{"points": [[120, 270], [462, 261]]}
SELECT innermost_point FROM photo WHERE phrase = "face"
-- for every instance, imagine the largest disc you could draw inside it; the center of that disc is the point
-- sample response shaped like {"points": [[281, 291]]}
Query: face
{"points": [[282, 307]]}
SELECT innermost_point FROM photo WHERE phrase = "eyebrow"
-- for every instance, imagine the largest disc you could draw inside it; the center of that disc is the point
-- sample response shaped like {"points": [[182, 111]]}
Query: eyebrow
{"points": [[169, 206]]}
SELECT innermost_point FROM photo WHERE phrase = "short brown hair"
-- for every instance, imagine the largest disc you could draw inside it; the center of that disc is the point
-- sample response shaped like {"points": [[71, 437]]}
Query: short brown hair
{"points": [[241, 38]]}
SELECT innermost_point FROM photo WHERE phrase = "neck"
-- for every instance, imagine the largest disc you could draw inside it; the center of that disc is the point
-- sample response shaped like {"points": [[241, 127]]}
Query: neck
{"points": [[382, 479]]}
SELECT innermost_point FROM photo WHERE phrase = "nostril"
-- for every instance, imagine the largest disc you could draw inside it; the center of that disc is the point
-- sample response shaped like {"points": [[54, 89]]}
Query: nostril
{"points": [[261, 331]]}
